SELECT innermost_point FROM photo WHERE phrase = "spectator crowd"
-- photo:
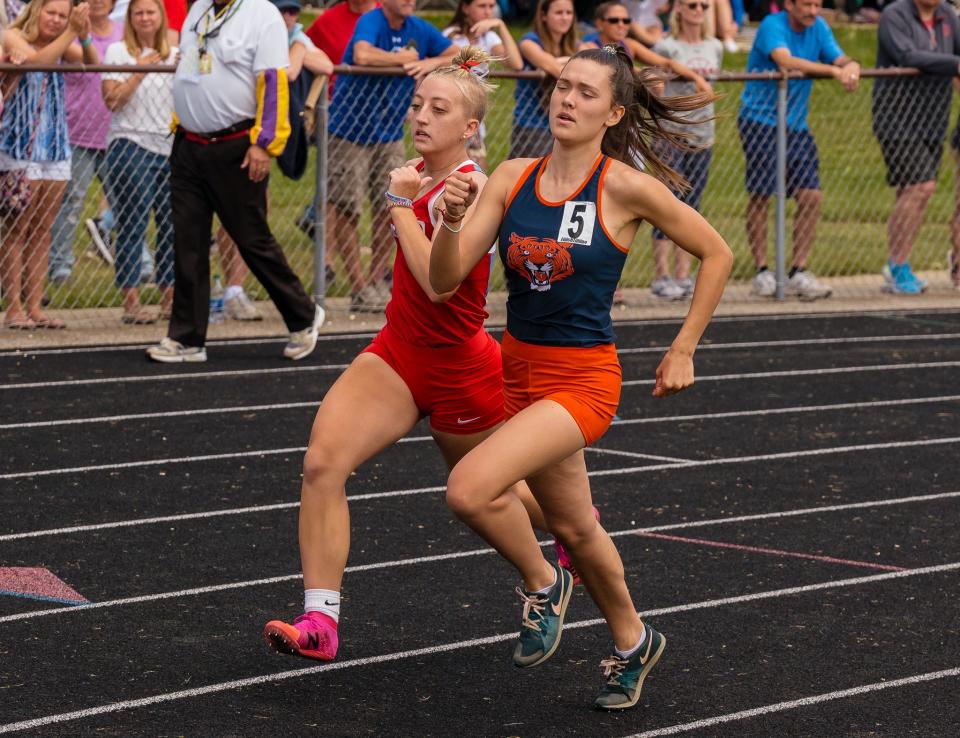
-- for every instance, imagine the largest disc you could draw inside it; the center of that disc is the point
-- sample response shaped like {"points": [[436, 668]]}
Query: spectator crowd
{"points": [[61, 130]]}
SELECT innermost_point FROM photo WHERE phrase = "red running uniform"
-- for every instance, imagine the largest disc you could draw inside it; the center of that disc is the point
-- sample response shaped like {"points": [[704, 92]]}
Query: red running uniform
{"points": [[451, 365]]}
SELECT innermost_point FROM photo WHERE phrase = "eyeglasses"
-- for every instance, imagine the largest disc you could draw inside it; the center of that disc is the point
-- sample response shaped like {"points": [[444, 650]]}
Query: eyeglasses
{"points": [[624, 21], [701, 6]]}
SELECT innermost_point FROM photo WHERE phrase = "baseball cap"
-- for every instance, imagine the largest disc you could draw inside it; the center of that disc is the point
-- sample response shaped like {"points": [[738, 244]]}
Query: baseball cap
{"points": [[281, 4]]}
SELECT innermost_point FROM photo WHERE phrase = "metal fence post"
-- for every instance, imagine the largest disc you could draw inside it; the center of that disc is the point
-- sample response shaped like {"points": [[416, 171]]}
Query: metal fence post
{"points": [[320, 203], [781, 219]]}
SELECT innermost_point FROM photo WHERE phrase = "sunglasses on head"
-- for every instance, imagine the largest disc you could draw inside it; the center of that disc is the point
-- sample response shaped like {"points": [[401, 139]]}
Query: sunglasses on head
{"points": [[625, 21], [694, 6]]}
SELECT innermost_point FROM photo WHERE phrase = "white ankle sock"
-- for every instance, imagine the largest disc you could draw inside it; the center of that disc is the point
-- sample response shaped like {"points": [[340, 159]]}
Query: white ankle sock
{"points": [[233, 291], [629, 653], [548, 587], [322, 600]]}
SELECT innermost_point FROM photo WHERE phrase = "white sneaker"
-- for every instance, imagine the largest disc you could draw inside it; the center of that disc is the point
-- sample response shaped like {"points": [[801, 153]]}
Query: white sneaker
{"points": [[169, 351], [686, 284], [240, 307], [806, 286], [302, 343], [666, 289], [764, 284], [731, 45]]}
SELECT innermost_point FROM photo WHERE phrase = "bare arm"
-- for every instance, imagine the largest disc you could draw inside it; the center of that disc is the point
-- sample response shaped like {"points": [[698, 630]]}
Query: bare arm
{"points": [[455, 254], [318, 62], [406, 182], [367, 55], [15, 45], [116, 94], [297, 52], [641, 196], [843, 69], [541, 59], [508, 49], [653, 59]]}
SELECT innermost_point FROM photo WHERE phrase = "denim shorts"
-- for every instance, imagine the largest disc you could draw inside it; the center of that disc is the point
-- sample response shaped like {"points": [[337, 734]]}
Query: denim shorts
{"points": [[759, 143], [693, 166]]}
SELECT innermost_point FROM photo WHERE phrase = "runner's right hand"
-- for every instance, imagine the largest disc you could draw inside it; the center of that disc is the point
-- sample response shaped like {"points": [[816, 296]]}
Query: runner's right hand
{"points": [[459, 192]]}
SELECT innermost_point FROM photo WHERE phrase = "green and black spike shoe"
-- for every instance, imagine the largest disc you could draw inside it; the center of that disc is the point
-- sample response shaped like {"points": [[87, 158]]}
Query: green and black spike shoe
{"points": [[542, 621], [625, 676]]}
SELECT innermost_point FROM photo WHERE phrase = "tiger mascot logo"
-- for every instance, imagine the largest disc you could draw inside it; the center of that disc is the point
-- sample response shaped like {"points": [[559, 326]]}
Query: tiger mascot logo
{"points": [[542, 261]]}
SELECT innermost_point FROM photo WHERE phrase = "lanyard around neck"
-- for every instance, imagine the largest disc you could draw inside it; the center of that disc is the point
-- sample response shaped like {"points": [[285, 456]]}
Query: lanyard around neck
{"points": [[219, 19]]}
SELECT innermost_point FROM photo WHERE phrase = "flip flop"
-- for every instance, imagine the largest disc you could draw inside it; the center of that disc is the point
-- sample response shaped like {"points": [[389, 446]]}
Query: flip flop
{"points": [[140, 317], [51, 324], [19, 324]]}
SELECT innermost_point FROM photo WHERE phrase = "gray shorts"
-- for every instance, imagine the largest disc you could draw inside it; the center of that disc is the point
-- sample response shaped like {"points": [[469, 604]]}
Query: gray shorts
{"points": [[359, 172]]}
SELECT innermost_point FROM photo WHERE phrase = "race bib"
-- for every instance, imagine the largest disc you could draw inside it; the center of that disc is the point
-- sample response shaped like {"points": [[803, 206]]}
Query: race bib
{"points": [[578, 221]]}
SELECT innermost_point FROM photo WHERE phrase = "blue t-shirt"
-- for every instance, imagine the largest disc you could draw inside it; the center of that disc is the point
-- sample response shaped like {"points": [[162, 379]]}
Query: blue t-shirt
{"points": [[530, 96], [816, 44], [368, 109]]}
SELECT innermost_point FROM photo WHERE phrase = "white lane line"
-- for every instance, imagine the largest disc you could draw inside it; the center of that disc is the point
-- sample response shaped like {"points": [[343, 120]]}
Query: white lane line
{"points": [[789, 410], [449, 647], [795, 343], [599, 472], [257, 509], [634, 455], [479, 552], [777, 456], [409, 439], [152, 416], [802, 702], [810, 372], [495, 328], [174, 377], [154, 462], [325, 367], [323, 337]]}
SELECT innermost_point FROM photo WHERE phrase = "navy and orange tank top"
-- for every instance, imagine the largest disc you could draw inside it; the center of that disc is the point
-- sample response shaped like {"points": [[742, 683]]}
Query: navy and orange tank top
{"points": [[410, 313], [561, 264]]}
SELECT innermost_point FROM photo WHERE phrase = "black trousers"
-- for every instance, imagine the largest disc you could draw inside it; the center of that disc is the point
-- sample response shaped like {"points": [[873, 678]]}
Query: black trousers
{"points": [[207, 179]]}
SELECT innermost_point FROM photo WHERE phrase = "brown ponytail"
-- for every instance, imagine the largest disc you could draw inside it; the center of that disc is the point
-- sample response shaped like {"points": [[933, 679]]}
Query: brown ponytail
{"points": [[632, 139]]}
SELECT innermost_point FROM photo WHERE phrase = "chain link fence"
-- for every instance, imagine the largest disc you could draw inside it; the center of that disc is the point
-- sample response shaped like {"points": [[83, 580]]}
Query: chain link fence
{"points": [[102, 217]]}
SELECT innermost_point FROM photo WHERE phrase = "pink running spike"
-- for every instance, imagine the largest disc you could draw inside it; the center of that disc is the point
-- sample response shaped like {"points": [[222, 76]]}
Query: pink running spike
{"points": [[313, 635]]}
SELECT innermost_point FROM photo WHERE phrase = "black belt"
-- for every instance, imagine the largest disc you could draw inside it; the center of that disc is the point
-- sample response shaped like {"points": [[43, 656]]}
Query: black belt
{"points": [[234, 131]]}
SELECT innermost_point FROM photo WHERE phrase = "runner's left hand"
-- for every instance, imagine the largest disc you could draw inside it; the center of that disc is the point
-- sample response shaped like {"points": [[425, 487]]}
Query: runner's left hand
{"points": [[674, 374]]}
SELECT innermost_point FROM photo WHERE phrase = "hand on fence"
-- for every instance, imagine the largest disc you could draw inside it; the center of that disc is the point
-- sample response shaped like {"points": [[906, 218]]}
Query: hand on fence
{"points": [[421, 68], [674, 374], [406, 182], [459, 192], [257, 162], [849, 76]]}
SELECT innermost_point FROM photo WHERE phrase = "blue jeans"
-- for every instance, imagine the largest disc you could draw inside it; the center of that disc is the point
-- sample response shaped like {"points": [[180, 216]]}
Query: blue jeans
{"points": [[137, 182], [84, 164]]}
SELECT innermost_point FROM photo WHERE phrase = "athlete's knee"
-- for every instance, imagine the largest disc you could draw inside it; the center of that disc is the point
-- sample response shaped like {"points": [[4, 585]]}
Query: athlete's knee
{"points": [[467, 496], [574, 532], [321, 471]]}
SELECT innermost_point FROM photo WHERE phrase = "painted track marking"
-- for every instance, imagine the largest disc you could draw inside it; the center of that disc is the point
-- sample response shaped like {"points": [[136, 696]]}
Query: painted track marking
{"points": [[479, 552], [802, 702], [115, 707]]}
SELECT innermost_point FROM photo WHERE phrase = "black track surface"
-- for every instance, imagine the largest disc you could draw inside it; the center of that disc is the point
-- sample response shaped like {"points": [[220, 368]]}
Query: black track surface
{"points": [[829, 602]]}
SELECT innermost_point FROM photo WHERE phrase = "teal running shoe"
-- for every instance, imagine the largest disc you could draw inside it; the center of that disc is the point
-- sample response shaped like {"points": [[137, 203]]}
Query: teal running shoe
{"points": [[625, 676], [542, 621]]}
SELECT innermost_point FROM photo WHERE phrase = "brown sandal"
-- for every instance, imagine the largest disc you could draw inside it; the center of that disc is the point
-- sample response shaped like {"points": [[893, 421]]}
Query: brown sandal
{"points": [[138, 317]]}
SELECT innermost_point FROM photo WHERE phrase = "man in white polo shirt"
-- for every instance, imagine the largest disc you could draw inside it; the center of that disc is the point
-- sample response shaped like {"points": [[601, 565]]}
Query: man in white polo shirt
{"points": [[230, 100]]}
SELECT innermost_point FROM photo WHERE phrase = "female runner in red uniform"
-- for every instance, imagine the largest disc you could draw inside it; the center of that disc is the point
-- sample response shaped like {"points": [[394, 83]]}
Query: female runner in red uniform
{"points": [[433, 358], [564, 224]]}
